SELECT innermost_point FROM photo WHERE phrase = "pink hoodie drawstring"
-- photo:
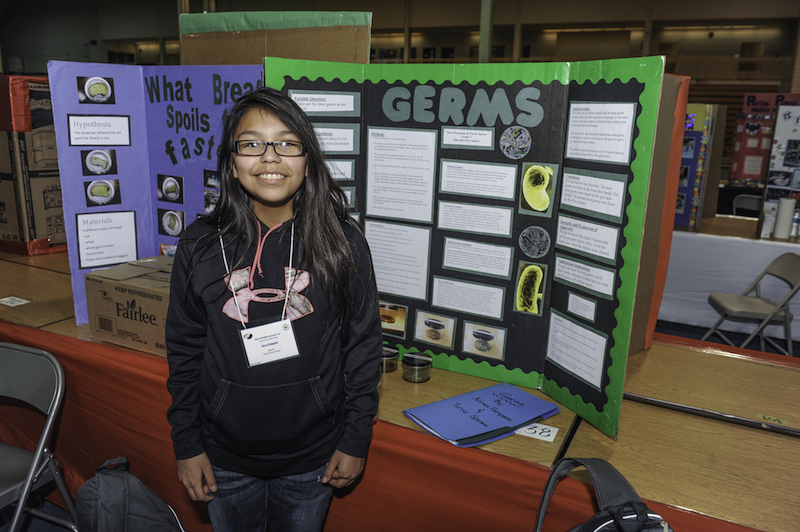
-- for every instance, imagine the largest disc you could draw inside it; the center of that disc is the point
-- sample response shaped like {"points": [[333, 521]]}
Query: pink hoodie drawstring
{"points": [[259, 250]]}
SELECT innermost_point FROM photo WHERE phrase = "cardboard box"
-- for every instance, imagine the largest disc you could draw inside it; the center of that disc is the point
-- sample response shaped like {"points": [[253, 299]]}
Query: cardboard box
{"points": [[127, 304], [31, 214], [246, 38]]}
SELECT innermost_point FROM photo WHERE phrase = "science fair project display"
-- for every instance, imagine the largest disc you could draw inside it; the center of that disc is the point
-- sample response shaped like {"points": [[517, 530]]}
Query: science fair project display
{"points": [[137, 149], [505, 207], [509, 208], [783, 178]]}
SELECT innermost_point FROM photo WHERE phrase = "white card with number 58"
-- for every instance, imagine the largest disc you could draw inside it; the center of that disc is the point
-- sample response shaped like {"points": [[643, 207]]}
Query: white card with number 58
{"points": [[540, 432]]}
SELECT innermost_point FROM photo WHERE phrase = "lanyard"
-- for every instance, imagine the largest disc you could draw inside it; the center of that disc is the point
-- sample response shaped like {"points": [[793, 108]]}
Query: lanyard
{"points": [[289, 284]]}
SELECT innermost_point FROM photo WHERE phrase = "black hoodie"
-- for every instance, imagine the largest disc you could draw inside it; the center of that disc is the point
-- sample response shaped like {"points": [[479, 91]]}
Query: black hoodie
{"points": [[283, 417]]}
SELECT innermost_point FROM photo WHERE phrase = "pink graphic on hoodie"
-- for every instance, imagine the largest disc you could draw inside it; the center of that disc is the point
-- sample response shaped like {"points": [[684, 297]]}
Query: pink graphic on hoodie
{"points": [[239, 282]]}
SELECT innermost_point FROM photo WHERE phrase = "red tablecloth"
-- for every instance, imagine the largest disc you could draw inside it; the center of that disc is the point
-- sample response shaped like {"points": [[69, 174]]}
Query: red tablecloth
{"points": [[116, 403]]}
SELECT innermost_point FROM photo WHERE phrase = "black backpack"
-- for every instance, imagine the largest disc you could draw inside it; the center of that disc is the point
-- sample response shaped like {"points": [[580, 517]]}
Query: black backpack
{"points": [[116, 501], [621, 508]]}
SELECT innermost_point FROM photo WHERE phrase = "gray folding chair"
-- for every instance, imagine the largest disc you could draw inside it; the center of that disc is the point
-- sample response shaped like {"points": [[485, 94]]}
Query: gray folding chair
{"points": [[747, 307], [34, 377], [747, 202]]}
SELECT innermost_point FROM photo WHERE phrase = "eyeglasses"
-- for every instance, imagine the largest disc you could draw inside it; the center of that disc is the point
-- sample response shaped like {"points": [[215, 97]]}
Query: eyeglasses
{"points": [[255, 148]]}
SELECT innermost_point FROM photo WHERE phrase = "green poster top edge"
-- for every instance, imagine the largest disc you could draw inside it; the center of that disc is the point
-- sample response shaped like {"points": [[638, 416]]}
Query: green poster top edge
{"points": [[422, 73], [489, 73], [645, 69], [300, 68], [192, 23]]}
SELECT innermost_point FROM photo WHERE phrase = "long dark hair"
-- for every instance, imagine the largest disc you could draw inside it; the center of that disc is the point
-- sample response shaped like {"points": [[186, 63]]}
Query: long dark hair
{"points": [[320, 206]]}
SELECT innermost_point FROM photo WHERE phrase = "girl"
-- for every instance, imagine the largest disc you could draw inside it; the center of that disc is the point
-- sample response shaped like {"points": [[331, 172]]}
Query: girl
{"points": [[273, 332]]}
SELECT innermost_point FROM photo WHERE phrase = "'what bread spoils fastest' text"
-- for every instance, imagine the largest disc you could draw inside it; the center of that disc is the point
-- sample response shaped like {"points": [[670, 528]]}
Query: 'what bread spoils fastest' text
{"points": [[187, 115]]}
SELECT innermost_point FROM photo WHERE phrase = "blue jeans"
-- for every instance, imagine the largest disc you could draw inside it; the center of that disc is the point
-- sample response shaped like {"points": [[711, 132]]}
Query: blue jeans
{"points": [[295, 503]]}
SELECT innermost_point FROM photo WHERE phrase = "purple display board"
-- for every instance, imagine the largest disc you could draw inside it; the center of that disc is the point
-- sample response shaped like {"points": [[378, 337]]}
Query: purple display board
{"points": [[137, 152], [691, 178]]}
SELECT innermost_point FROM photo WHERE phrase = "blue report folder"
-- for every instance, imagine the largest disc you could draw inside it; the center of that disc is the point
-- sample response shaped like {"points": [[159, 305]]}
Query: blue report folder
{"points": [[481, 416]]}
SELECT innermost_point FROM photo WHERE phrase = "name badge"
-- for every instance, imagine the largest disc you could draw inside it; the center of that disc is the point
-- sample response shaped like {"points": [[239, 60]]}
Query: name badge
{"points": [[269, 342]]}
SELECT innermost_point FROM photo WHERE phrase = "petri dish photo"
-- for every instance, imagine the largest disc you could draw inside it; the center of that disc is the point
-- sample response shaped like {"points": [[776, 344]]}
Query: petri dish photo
{"points": [[97, 89], [98, 162], [172, 223], [100, 191], [171, 188]]}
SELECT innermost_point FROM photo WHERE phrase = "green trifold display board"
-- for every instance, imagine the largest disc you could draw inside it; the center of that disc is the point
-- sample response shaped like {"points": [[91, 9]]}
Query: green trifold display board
{"points": [[504, 205]]}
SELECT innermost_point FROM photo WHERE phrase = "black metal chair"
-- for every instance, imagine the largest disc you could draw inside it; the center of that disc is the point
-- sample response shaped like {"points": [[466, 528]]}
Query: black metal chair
{"points": [[747, 307], [35, 377]]}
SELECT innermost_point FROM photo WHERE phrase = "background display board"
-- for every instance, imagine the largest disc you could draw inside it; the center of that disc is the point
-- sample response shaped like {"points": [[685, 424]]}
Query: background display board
{"points": [[783, 179], [137, 154], [699, 159], [504, 206], [689, 207], [752, 142]]}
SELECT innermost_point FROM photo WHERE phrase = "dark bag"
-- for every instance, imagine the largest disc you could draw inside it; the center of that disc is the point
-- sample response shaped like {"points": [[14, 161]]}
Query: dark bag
{"points": [[621, 508], [116, 501]]}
